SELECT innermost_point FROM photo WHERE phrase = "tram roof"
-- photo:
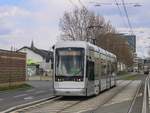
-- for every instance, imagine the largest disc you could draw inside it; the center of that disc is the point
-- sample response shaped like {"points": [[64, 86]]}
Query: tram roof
{"points": [[82, 44]]}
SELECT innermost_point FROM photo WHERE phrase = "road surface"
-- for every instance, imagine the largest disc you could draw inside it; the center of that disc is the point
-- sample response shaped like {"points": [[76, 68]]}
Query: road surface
{"points": [[42, 89]]}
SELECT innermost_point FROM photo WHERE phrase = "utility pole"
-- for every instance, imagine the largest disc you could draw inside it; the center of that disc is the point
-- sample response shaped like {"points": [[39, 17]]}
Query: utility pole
{"points": [[91, 27]]}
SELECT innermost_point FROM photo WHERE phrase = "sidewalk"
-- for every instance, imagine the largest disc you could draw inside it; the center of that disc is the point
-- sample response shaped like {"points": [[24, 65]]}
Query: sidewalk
{"points": [[39, 78]]}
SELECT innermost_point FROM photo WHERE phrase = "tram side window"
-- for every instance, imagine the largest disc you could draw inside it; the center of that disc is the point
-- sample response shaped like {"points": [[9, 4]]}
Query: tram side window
{"points": [[90, 70], [109, 68], [104, 68]]}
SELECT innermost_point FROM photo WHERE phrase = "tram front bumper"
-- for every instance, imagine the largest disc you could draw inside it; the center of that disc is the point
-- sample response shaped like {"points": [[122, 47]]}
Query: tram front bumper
{"points": [[70, 92]]}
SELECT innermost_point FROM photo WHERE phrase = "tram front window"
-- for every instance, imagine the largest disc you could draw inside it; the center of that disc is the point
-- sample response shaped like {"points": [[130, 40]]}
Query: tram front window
{"points": [[70, 63]]}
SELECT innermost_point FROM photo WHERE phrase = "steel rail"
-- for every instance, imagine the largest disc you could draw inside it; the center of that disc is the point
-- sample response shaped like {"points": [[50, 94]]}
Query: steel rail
{"points": [[134, 98], [145, 107], [23, 107], [112, 96], [53, 101]]}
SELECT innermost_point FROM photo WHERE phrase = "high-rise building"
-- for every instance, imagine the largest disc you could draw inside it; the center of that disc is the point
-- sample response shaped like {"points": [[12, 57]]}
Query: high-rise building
{"points": [[131, 41]]}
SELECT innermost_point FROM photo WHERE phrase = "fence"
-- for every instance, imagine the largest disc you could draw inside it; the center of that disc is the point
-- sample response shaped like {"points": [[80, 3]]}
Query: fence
{"points": [[12, 68]]}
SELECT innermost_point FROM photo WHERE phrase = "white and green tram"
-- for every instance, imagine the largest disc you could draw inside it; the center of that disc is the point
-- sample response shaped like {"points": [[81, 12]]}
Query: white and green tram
{"points": [[82, 69]]}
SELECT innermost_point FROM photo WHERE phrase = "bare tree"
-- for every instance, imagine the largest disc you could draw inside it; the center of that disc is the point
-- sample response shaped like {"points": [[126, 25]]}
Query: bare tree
{"points": [[85, 25], [80, 25], [118, 45]]}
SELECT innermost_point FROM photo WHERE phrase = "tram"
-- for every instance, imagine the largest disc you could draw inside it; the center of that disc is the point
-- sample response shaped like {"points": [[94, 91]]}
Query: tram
{"points": [[82, 69]]}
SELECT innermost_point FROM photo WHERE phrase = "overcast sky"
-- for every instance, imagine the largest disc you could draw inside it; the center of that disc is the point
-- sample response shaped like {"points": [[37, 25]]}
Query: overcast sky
{"points": [[22, 21]]}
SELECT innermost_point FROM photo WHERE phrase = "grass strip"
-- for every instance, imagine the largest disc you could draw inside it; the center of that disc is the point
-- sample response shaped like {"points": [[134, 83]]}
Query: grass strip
{"points": [[16, 87], [120, 73], [130, 77]]}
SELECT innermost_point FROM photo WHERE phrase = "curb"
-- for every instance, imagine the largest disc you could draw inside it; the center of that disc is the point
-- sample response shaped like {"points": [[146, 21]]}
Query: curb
{"points": [[26, 105], [145, 107]]}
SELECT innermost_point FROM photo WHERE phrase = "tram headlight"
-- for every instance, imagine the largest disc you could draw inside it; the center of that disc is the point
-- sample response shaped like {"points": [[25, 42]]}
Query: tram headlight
{"points": [[59, 79], [78, 79]]}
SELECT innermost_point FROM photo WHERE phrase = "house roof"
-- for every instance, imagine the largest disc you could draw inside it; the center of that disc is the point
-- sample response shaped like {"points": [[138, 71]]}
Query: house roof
{"points": [[43, 53]]}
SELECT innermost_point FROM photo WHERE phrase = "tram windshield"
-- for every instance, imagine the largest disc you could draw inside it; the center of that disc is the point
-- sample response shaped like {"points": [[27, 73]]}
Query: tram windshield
{"points": [[70, 62]]}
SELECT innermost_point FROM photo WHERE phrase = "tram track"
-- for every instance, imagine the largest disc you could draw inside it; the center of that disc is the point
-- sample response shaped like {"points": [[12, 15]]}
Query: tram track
{"points": [[107, 100], [54, 102], [65, 103], [137, 94], [136, 105], [69, 107], [134, 102], [24, 107]]}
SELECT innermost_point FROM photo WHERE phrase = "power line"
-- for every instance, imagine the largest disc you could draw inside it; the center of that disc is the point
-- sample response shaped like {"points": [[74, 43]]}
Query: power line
{"points": [[125, 9], [136, 4], [79, 3], [122, 3], [129, 23], [73, 3], [117, 4], [82, 4]]}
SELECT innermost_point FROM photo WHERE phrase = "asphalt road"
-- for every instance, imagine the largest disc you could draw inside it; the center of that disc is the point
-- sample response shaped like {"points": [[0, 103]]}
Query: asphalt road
{"points": [[40, 90]]}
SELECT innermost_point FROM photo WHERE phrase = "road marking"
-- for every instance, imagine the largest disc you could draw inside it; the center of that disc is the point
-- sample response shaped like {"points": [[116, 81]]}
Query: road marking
{"points": [[38, 92], [28, 98], [21, 95]]}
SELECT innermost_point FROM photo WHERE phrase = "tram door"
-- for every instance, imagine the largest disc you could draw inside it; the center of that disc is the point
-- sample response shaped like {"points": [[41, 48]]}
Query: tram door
{"points": [[90, 77]]}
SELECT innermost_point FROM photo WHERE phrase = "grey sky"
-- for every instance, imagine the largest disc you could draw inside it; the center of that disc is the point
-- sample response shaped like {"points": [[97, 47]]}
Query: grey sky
{"points": [[25, 20]]}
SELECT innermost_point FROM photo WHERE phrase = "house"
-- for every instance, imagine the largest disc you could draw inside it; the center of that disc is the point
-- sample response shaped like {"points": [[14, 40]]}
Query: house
{"points": [[38, 60]]}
